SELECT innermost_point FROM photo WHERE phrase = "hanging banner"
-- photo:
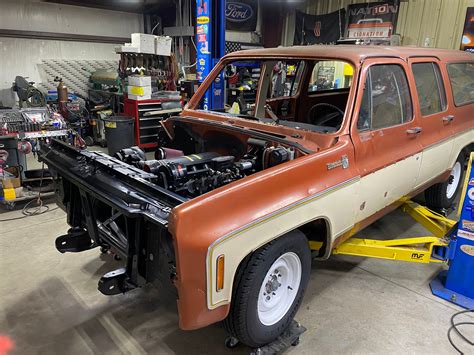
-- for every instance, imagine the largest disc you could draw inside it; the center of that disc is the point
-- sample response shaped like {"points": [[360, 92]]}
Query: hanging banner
{"points": [[319, 29], [467, 42], [372, 19], [241, 15]]}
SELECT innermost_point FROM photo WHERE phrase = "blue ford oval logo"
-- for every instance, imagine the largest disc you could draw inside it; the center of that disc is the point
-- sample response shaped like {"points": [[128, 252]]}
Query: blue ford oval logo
{"points": [[237, 11]]}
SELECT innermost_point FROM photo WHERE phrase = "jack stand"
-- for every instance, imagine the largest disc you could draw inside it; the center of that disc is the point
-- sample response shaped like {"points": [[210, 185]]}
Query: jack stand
{"points": [[290, 337]]}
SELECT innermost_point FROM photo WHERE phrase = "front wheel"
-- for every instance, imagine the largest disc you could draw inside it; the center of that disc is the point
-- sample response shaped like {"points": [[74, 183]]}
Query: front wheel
{"points": [[442, 195], [268, 289]]}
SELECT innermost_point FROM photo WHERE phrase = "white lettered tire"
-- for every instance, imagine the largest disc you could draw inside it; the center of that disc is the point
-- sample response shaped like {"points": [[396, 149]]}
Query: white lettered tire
{"points": [[268, 289]]}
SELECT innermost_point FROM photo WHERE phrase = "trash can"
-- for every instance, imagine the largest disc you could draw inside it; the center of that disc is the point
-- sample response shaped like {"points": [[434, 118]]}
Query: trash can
{"points": [[119, 133]]}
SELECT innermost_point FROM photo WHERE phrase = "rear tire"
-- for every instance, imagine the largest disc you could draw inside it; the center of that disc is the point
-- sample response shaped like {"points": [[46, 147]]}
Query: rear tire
{"points": [[268, 289], [442, 195]]}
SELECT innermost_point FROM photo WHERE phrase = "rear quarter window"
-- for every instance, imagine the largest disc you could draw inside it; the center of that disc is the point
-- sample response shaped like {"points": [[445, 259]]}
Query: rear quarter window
{"points": [[461, 76], [430, 88]]}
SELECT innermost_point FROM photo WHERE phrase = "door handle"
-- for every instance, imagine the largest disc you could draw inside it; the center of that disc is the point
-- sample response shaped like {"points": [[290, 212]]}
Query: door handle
{"points": [[414, 130], [448, 118]]}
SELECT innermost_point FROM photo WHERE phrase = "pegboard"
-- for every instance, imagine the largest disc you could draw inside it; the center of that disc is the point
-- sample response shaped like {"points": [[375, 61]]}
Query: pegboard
{"points": [[75, 73]]}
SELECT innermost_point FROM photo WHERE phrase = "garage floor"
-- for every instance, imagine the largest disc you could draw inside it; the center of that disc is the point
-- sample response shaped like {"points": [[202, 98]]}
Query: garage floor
{"points": [[49, 302]]}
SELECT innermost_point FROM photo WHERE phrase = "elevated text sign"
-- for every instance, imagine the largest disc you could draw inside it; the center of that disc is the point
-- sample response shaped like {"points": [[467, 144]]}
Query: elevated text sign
{"points": [[372, 20]]}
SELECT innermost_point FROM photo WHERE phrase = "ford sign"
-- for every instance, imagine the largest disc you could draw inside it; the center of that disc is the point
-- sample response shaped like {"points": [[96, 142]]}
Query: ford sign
{"points": [[238, 12]]}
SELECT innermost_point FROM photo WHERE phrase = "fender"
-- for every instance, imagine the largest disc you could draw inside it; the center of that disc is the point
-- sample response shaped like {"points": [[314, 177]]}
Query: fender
{"points": [[246, 214]]}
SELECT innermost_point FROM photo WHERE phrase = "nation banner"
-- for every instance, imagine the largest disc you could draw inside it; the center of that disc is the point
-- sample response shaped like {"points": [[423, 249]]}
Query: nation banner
{"points": [[319, 29], [241, 15], [372, 20]]}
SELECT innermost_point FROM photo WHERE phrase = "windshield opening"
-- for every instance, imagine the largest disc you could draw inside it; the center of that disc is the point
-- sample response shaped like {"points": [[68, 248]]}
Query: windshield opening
{"points": [[303, 94]]}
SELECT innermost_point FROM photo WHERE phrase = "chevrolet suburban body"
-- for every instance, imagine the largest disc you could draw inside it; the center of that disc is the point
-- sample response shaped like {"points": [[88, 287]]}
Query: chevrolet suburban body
{"points": [[310, 144]]}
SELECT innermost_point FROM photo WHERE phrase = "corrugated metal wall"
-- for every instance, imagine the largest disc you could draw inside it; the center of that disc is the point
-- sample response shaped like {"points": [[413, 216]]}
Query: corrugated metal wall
{"points": [[431, 23]]}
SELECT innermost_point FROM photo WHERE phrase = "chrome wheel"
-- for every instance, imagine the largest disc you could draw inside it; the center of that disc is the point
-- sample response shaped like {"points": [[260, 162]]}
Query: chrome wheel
{"points": [[279, 288], [454, 180]]}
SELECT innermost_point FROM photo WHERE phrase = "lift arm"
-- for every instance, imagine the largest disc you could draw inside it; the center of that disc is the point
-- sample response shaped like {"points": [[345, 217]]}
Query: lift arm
{"points": [[419, 249], [425, 249]]}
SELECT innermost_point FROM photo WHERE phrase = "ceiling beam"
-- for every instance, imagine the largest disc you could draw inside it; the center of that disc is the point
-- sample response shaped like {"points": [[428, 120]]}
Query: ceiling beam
{"points": [[55, 36]]}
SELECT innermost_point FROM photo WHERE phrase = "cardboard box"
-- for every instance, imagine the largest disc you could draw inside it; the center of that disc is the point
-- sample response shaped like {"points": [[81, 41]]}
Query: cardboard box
{"points": [[139, 80], [127, 48], [139, 90], [145, 43], [11, 183], [163, 45], [139, 97], [11, 178]]}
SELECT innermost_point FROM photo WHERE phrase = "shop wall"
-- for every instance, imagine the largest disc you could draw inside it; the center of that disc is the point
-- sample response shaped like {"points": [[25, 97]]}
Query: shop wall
{"points": [[429, 23], [20, 56]]}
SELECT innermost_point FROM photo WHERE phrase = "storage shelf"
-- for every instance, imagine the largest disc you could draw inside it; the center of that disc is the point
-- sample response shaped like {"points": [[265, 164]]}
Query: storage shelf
{"points": [[148, 109], [150, 127]]}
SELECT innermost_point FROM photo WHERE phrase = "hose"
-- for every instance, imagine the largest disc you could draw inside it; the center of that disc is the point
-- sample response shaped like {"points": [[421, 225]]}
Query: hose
{"points": [[28, 211], [455, 327]]}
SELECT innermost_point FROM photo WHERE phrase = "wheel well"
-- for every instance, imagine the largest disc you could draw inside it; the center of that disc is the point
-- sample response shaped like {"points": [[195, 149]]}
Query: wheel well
{"points": [[318, 230], [468, 149]]}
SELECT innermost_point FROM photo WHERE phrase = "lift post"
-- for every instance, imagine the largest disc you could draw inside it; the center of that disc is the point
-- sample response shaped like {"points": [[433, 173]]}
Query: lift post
{"points": [[457, 284], [210, 46]]}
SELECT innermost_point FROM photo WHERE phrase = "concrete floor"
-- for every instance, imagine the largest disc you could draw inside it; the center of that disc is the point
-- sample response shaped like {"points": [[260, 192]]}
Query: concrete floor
{"points": [[49, 303]]}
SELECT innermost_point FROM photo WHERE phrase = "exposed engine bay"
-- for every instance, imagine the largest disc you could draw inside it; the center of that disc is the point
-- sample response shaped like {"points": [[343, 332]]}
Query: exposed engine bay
{"points": [[190, 165], [123, 203]]}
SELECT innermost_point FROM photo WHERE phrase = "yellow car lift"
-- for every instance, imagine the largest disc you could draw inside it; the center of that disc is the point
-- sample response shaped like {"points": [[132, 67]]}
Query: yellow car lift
{"points": [[425, 249]]}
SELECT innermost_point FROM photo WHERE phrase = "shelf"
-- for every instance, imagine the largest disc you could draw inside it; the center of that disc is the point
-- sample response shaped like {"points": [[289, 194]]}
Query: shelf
{"points": [[154, 101], [151, 127], [148, 109], [150, 118]]}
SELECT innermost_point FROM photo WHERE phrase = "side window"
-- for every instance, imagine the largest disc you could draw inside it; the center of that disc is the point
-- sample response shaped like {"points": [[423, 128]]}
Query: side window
{"points": [[330, 75], [429, 87], [461, 76], [386, 99]]}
